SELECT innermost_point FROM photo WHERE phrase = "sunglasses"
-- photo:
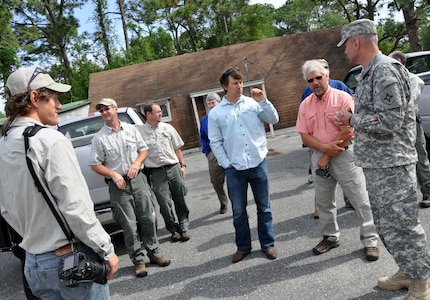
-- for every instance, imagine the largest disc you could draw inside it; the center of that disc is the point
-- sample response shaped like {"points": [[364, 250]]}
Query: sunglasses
{"points": [[310, 80], [104, 109], [36, 72]]}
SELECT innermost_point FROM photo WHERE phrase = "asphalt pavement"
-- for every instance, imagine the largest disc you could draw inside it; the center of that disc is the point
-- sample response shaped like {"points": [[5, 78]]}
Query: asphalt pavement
{"points": [[202, 269]]}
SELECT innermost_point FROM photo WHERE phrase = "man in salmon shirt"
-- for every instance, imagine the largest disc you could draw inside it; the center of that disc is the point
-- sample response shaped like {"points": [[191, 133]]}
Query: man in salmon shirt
{"points": [[333, 161]]}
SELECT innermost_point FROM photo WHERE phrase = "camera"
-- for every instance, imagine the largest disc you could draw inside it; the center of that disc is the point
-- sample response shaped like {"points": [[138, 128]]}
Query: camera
{"points": [[322, 173], [76, 268]]}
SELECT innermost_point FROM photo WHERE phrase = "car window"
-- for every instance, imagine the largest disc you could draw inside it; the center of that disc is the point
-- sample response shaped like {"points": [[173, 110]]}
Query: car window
{"points": [[351, 78], [418, 64], [89, 126]]}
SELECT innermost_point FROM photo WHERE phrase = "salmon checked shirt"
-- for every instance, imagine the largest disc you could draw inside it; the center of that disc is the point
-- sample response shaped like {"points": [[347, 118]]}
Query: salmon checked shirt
{"points": [[315, 115]]}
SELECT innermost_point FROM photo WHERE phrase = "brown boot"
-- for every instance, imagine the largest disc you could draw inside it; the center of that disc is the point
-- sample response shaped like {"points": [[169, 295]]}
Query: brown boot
{"points": [[395, 282], [418, 290]]}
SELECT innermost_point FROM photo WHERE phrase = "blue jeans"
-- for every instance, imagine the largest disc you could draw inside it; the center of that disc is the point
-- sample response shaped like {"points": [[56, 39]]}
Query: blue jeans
{"points": [[41, 271], [237, 184]]}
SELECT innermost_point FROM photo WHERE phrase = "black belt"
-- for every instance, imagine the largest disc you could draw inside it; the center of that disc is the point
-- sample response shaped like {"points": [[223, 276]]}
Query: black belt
{"points": [[123, 176], [165, 168]]}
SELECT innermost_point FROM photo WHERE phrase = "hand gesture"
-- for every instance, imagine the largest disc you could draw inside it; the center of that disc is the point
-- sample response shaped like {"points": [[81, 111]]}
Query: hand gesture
{"points": [[257, 94]]}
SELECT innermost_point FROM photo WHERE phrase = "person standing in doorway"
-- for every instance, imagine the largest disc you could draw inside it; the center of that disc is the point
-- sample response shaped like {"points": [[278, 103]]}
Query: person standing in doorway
{"points": [[216, 172]]}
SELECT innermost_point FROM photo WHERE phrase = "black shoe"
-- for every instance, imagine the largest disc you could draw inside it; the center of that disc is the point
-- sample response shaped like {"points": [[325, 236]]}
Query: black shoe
{"points": [[425, 203], [223, 209]]}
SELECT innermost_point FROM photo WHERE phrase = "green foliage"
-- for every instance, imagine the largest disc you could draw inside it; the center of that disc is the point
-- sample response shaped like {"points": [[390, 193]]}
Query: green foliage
{"points": [[425, 34], [157, 45], [45, 32], [256, 22], [392, 36], [8, 43], [80, 78]]}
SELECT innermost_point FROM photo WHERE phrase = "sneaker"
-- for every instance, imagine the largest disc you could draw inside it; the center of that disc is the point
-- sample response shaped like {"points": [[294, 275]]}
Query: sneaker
{"points": [[372, 253], [395, 282], [223, 209], [425, 203], [161, 261], [176, 237], [140, 271], [324, 246], [185, 236]]}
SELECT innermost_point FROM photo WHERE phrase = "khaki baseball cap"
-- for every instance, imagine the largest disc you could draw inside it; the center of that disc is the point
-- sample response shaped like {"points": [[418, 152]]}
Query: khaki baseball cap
{"points": [[107, 102], [19, 81], [357, 28]]}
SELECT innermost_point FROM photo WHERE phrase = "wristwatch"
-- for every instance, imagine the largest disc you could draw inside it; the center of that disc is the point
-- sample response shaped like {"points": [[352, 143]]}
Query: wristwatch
{"points": [[183, 166]]}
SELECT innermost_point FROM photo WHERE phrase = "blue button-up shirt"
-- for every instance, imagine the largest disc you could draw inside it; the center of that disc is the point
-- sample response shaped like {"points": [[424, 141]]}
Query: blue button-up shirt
{"points": [[236, 131]]}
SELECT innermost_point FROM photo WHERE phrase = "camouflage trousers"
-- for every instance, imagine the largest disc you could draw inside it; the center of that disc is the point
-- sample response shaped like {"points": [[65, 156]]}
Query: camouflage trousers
{"points": [[394, 202]]}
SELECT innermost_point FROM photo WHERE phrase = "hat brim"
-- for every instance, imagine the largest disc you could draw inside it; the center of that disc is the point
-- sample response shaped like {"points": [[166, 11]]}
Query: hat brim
{"points": [[59, 87], [342, 41]]}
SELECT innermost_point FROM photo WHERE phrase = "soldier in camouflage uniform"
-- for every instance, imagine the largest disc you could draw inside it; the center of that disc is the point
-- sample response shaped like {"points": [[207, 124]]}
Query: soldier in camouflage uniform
{"points": [[384, 123], [423, 165]]}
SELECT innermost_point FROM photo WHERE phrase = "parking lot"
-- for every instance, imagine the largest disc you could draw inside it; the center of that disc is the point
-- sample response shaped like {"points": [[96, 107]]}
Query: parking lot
{"points": [[201, 268]]}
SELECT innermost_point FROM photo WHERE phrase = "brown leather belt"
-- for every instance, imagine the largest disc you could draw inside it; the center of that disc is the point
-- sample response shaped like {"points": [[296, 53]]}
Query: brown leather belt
{"points": [[65, 249]]}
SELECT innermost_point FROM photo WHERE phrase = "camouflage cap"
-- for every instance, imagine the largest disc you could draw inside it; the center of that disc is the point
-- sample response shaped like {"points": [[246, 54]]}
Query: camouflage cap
{"points": [[356, 28]]}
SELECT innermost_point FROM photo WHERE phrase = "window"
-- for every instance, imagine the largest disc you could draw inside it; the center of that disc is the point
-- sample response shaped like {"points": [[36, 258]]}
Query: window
{"points": [[164, 105]]}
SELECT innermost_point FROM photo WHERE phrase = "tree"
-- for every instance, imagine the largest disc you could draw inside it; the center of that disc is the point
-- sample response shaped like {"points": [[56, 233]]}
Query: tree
{"points": [[414, 12], [45, 29], [104, 31], [8, 42]]}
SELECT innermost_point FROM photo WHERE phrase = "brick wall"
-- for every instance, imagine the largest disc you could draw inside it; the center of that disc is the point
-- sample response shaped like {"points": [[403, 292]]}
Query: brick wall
{"points": [[277, 60]]}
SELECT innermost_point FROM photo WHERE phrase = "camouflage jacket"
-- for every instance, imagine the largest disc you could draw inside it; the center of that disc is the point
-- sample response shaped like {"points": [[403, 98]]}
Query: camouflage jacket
{"points": [[384, 116]]}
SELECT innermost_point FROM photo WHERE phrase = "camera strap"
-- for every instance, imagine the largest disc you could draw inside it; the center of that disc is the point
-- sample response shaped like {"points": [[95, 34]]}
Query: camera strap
{"points": [[29, 132]]}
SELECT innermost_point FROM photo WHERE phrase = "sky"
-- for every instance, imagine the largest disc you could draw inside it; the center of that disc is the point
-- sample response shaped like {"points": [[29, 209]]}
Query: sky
{"points": [[85, 14], [275, 3]]}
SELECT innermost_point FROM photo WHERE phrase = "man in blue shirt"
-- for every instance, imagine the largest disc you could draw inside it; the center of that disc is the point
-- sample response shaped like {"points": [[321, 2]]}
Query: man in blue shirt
{"points": [[216, 172], [238, 140]]}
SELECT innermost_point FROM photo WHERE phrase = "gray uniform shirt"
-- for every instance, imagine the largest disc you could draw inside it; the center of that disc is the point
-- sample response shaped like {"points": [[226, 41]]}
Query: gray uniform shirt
{"points": [[384, 116], [116, 150], [162, 142], [25, 208]]}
